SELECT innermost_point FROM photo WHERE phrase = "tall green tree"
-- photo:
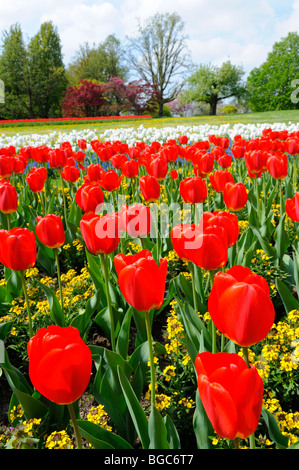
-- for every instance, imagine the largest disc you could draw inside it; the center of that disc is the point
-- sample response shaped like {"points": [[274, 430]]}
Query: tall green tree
{"points": [[14, 73], [33, 74], [98, 63], [47, 71], [270, 86], [211, 84], [159, 55]]}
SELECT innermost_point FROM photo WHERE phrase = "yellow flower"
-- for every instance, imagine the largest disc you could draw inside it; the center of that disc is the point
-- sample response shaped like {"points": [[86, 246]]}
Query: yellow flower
{"points": [[162, 401], [98, 415], [169, 372], [59, 440], [16, 412], [29, 425]]}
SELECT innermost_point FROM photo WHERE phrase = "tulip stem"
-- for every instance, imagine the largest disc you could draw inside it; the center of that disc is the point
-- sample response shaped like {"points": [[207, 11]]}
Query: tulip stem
{"points": [[208, 195], [214, 346], [237, 443], [64, 202], [103, 258], [280, 198], [75, 425], [195, 300], [246, 356], [59, 283], [22, 273], [151, 357], [257, 199]]}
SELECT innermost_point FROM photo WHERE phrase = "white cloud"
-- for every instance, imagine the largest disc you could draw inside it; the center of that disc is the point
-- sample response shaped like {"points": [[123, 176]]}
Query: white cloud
{"points": [[218, 30], [82, 22]]}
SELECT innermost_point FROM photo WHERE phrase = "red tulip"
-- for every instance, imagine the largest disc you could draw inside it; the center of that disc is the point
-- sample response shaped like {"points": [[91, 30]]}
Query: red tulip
{"points": [[57, 158], [94, 173], [138, 220], [50, 231], [174, 174], [130, 168], [240, 305], [6, 166], [158, 167], [226, 220], [110, 181], [237, 151], [59, 363], [17, 248], [255, 161], [19, 164], [231, 393], [170, 152], [118, 159], [225, 160], [82, 144], [134, 153], [219, 178], [141, 280], [36, 179], [67, 148], [224, 142], [193, 190], [8, 198], [235, 196], [277, 165], [204, 162], [149, 187], [205, 246], [89, 197], [101, 233], [104, 152], [212, 252], [292, 207], [70, 173], [292, 146], [40, 154], [183, 236], [79, 157], [183, 139]]}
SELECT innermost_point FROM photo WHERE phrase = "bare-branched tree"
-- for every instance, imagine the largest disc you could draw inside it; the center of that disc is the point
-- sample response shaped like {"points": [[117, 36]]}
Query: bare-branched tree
{"points": [[159, 55]]}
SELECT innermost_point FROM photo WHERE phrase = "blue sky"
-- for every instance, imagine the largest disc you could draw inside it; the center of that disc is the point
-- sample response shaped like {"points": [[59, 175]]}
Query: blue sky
{"points": [[218, 30]]}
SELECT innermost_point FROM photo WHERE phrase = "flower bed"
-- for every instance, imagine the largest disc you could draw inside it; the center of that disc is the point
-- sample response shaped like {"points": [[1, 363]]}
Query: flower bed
{"points": [[67, 120], [149, 289]]}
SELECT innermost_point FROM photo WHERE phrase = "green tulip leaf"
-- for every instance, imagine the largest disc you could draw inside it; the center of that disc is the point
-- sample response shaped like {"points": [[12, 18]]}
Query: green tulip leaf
{"points": [[274, 431], [101, 438], [33, 408], [55, 307], [289, 301], [137, 413], [157, 431]]}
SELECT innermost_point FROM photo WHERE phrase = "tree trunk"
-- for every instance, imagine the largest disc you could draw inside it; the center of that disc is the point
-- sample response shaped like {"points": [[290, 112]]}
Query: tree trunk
{"points": [[213, 105], [160, 108]]}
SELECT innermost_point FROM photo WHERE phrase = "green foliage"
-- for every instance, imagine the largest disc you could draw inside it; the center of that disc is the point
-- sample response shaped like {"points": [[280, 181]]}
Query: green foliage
{"points": [[270, 85], [13, 72], [46, 71], [98, 62], [33, 74], [229, 109], [210, 84]]}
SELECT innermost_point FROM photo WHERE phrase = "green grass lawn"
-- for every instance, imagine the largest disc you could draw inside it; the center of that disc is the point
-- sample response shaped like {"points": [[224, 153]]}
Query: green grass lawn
{"points": [[248, 118]]}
